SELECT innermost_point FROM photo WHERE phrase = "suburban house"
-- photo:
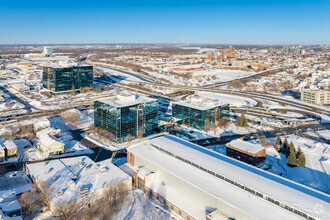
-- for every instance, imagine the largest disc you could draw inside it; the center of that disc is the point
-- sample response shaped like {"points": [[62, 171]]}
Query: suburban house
{"points": [[11, 148], [50, 145]]}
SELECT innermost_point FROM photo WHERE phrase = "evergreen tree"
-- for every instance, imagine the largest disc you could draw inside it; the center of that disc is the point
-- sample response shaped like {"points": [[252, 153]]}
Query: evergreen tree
{"points": [[288, 149], [278, 148], [242, 122], [292, 160], [285, 145], [299, 152], [301, 159], [278, 144]]}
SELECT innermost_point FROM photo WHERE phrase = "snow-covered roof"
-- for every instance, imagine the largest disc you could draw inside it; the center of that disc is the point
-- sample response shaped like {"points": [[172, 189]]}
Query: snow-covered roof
{"points": [[246, 146], [65, 65], [10, 206], [60, 174], [48, 140], [286, 191], [44, 132], [124, 99], [33, 121], [10, 144]]}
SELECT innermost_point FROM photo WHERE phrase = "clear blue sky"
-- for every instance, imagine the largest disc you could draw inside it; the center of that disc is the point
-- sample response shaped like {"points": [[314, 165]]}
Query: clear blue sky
{"points": [[139, 21]]}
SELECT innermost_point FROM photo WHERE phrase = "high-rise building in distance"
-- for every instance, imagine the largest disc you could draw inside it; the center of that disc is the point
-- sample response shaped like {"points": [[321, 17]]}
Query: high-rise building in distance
{"points": [[231, 49]]}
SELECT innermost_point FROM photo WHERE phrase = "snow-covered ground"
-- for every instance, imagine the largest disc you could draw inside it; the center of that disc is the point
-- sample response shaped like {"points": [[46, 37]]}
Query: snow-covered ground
{"points": [[232, 129], [233, 100], [144, 208], [324, 134], [317, 170], [138, 207], [123, 76]]}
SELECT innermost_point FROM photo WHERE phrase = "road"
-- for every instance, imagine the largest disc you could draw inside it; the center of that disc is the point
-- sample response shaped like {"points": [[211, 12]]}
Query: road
{"points": [[13, 96], [139, 76], [270, 71]]}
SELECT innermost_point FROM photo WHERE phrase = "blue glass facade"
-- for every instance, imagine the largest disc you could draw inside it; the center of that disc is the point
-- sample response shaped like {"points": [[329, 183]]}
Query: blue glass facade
{"points": [[196, 118], [60, 79], [134, 119]]}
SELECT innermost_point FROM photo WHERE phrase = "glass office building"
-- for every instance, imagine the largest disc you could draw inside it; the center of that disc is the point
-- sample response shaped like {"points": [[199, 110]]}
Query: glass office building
{"points": [[60, 79], [197, 111], [126, 114]]}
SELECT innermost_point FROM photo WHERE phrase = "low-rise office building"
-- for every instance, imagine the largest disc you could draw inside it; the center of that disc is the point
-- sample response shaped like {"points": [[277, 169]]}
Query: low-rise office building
{"points": [[11, 148], [197, 183], [320, 97], [126, 114], [73, 179], [245, 151], [199, 113], [59, 79]]}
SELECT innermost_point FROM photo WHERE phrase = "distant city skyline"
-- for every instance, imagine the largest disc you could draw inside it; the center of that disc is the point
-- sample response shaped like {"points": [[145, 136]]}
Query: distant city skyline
{"points": [[237, 22]]}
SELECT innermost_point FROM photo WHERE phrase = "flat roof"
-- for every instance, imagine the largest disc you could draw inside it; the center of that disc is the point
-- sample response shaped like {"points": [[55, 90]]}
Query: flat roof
{"points": [[48, 140], [68, 65], [10, 144], [89, 176], [201, 103], [284, 190], [216, 187], [246, 146], [123, 100]]}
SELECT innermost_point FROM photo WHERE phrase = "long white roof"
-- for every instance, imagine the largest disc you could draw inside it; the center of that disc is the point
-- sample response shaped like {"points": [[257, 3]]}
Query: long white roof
{"points": [[286, 191]]}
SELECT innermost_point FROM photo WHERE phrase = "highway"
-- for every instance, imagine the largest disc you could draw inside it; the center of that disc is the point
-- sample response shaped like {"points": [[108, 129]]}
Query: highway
{"points": [[270, 71], [139, 76]]}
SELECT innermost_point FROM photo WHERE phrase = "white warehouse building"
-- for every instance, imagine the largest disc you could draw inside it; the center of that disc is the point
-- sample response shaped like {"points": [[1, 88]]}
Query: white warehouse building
{"points": [[197, 183]]}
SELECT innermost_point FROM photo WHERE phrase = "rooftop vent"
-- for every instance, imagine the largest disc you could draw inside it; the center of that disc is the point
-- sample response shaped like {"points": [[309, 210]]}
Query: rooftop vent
{"points": [[59, 193], [104, 169], [83, 190], [71, 183], [49, 170]]}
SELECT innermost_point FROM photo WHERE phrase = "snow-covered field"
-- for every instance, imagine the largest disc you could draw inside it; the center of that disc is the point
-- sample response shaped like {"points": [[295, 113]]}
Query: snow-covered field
{"points": [[233, 100], [224, 75], [124, 76], [317, 170], [325, 134]]}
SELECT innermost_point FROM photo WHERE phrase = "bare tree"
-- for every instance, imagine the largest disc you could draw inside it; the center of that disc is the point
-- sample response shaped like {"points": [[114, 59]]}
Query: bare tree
{"points": [[32, 201], [102, 205]]}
